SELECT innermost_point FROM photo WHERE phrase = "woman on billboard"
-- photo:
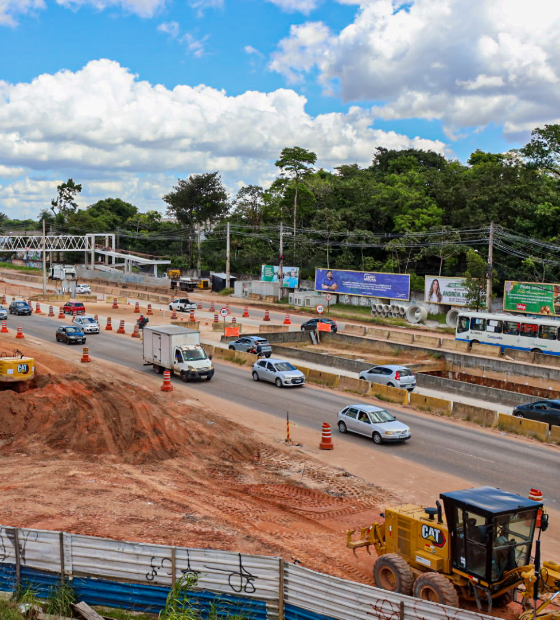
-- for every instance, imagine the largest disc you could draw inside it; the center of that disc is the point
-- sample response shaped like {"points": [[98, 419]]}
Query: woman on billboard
{"points": [[434, 294]]}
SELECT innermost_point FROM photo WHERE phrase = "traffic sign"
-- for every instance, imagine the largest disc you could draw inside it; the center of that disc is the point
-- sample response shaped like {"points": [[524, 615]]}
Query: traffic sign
{"points": [[320, 309], [224, 312], [328, 297]]}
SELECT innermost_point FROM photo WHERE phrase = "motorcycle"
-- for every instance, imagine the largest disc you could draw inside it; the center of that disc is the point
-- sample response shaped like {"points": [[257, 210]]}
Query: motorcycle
{"points": [[142, 322]]}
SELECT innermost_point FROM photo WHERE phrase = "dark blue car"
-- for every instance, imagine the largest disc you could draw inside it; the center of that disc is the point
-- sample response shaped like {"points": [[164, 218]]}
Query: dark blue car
{"points": [[547, 411], [20, 307]]}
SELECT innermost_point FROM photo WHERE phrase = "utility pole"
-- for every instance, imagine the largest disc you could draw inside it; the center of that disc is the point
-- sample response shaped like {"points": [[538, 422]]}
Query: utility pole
{"points": [[198, 250], [44, 261], [489, 269], [281, 261], [227, 259]]}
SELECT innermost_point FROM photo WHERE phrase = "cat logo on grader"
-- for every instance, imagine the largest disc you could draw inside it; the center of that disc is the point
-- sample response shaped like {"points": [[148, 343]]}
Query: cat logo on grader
{"points": [[435, 536]]}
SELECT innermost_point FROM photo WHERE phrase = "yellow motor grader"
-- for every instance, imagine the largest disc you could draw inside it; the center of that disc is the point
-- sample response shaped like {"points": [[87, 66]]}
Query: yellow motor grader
{"points": [[16, 371], [480, 550]]}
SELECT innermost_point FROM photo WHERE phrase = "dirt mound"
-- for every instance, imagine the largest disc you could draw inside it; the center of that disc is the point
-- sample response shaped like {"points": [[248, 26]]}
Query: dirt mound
{"points": [[95, 418]]}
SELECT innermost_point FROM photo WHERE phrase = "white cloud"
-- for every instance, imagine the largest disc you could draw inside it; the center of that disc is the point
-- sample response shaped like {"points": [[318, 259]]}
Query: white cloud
{"points": [[291, 6], [202, 5], [10, 9], [102, 121], [466, 63], [194, 46], [170, 28], [249, 49], [143, 8]]}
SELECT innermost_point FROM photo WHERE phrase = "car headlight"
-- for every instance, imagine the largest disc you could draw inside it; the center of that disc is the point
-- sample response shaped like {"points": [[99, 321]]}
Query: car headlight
{"points": [[390, 433]]}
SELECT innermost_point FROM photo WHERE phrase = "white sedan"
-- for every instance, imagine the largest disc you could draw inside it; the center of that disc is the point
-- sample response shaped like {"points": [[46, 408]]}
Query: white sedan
{"points": [[182, 305], [83, 289], [87, 324]]}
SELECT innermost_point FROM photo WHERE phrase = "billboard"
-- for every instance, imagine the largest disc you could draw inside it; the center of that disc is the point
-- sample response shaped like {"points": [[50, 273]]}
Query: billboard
{"points": [[532, 298], [269, 273], [364, 283], [441, 290]]}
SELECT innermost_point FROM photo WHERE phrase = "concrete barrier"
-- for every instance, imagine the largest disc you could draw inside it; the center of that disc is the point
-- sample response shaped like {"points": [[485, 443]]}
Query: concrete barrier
{"points": [[487, 350], [547, 360], [554, 434], [219, 327], [322, 378], [398, 336], [530, 428], [274, 328], [378, 334], [355, 330], [429, 341], [391, 394], [520, 356], [431, 404], [455, 345], [478, 415], [89, 298], [224, 354], [243, 358], [350, 384], [304, 369], [120, 300], [188, 324], [209, 348]]}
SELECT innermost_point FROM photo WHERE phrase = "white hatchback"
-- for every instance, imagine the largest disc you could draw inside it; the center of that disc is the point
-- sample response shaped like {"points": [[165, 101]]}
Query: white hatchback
{"points": [[372, 422], [87, 324], [83, 289]]}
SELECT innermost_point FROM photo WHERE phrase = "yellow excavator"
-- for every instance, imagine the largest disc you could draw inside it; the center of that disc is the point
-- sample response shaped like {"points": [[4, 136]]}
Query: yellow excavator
{"points": [[481, 550], [16, 371]]}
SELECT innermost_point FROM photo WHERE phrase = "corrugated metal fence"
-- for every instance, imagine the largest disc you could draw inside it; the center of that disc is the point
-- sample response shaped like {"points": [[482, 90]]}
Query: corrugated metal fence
{"points": [[138, 576]]}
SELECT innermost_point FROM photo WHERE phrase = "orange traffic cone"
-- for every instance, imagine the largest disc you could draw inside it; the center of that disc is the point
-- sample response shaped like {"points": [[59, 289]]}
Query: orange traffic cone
{"points": [[166, 387], [121, 328], [326, 438], [85, 355], [51, 311], [287, 320], [192, 319], [136, 332], [109, 325], [215, 318], [4, 300], [19, 332], [137, 308], [150, 311], [212, 308], [233, 320], [536, 495], [266, 315], [61, 313], [115, 304], [246, 313], [174, 315], [38, 308], [5, 329]]}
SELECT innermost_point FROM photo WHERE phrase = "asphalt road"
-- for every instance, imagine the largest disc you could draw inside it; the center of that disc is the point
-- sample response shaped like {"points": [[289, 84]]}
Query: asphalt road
{"points": [[481, 457]]}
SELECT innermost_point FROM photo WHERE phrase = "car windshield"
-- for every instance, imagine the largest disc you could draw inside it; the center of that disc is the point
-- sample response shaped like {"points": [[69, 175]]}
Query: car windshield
{"points": [[283, 366], [21, 303], [381, 416], [72, 330], [192, 355]]}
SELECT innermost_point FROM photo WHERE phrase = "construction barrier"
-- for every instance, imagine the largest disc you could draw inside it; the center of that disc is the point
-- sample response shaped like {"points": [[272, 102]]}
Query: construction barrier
{"points": [[322, 378], [274, 328], [287, 319], [216, 318], [19, 332], [266, 315], [89, 298], [304, 370], [38, 308], [61, 313], [401, 337], [243, 358], [431, 404], [5, 329], [218, 327], [167, 387], [246, 313], [487, 350], [478, 415], [326, 438], [224, 354], [85, 356], [137, 307], [109, 325], [150, 312], [428, 341], [188, 324], [554, 434], [522, 426], [121, 328], [351, 384], [455, 345], [388, 393], [354, 330], [378, 334], [51, 311], [136, 332]]}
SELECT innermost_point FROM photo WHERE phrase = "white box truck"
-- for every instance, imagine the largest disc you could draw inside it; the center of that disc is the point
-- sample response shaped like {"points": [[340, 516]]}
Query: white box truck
{"points": [[178, 349], [62, 272]]}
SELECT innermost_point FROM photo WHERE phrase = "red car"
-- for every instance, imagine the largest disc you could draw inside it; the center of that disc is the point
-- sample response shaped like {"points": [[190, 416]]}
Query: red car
{"points": [[71, 307]]}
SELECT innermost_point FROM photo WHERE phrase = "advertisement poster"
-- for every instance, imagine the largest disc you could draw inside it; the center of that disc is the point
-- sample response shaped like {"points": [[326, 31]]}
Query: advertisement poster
{"points": [[364, 283], [532, 298], [269, 273], [442, 290]]}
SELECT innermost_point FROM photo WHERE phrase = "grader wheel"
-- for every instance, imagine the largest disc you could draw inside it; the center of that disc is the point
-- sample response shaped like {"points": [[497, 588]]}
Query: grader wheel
{"points": [[436, 588], [392, 573]]}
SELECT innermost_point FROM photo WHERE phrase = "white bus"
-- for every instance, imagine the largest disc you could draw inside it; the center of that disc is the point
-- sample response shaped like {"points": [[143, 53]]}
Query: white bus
{"points": [[540, 335]]}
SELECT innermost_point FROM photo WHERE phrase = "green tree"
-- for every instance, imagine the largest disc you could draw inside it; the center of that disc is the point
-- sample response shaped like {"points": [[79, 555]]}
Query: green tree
{"points": [[249, 205], [475, 280], [295, 163], [199, 199], [543, 151], [65, 202]]}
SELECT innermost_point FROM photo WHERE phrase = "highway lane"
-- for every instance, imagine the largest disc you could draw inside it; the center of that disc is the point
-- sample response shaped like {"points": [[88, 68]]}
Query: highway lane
{"points": [[481, 457]]}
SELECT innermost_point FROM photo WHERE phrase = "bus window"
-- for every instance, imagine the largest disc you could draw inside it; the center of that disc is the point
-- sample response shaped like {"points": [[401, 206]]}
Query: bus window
{"points": [[529, 330], [463, 324], [548, 332], [477, 325], [511, 328], [494, 326]]}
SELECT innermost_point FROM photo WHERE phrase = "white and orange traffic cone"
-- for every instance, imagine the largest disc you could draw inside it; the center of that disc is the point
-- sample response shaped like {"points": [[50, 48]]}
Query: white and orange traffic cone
{"points": [[326, 438], [38, 308], [109, 326], [85, 355], [266, 315], [191, 318], [4, 302], [212, 308], [137, 308], [121, 328], [115, 305], [19, 332], [136, 332], [174, 315], [150, 311], [61, 313], [287, 319], [246, 313], [167, 387], [5, 329], [51, 311], [233, 320], [216, 318]]}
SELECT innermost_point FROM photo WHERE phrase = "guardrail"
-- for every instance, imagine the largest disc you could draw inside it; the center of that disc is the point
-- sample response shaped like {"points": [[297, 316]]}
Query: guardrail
{"points": [[138, 576]]}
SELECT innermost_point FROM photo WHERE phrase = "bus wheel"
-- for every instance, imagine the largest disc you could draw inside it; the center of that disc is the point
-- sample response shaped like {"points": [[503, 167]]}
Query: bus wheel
{"points": [[536, 351]]}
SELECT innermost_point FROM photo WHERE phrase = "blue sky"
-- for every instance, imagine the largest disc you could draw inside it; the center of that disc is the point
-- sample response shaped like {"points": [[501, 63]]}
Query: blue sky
{"points": [[127, 95]]}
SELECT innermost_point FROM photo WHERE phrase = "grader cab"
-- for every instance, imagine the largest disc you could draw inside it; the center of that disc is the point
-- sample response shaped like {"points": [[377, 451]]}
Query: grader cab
{"points": [[479, 550]]}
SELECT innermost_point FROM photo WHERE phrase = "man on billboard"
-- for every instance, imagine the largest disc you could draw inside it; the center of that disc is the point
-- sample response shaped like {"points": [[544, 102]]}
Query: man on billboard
{"points": [[291, 280], [328, 283]]}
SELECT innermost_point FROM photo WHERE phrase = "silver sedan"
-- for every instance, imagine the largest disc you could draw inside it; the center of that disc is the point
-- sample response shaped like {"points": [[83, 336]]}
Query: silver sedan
{"points": [[3, 313], [279, 372]]}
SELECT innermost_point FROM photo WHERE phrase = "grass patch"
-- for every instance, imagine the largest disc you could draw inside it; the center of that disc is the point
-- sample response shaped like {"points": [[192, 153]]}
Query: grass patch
{"points": [[225, 292], [123, 614], [20, 268], [9, 610], [383, 398], [59, 602]]}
